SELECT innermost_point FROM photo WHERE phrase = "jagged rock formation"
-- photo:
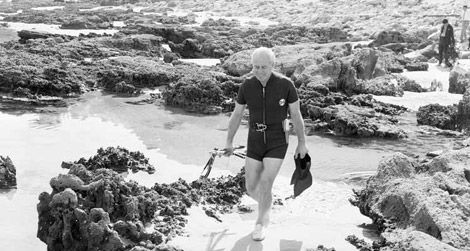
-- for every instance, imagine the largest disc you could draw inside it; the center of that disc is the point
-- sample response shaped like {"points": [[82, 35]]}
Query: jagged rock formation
{"points": [[463, 112], [425, 201], [7, 173], [349, 116], [208, 41], [39, 74], [207, 92], [451, 117], [118, 159], [333, 65], [92, 207], [459, 80], [443, 117]]}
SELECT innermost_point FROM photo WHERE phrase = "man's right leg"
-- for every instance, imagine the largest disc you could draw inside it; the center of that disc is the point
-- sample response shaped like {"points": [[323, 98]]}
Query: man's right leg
{"points": [[446, 53], [441, 48], [253, 169]]}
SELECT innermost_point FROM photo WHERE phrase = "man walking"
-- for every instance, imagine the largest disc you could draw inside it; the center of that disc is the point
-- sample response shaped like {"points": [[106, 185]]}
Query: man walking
{"points": [[446, 40], [269, 96], [465, 22]]}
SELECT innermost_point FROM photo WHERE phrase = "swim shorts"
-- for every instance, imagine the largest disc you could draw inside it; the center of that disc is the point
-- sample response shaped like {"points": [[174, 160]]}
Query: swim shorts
{"points": [[275, 146]]}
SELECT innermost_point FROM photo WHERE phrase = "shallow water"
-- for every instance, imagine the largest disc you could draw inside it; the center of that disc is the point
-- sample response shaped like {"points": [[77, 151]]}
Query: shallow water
{"points": [[48, 8], [202, 16], [105, 8], [55, 29], [8, 35], [177, 143], [202, 61], [413, 100]]}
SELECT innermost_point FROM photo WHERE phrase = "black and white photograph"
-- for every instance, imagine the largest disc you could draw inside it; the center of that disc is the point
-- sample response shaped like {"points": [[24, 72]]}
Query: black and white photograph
{"points": [[234, 125]]}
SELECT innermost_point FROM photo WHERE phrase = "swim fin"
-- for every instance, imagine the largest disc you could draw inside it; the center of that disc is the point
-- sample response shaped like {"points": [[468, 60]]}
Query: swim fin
{"points": [[301, 178]]}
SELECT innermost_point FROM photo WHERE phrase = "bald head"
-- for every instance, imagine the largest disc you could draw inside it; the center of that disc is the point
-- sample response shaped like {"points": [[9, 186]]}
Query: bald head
{"points": [[262, 60], [264, 54]]}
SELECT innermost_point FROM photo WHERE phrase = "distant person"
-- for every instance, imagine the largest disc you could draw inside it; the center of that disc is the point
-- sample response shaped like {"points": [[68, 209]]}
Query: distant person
{"points": [[446, 40], [465, 22], [269, 97]]}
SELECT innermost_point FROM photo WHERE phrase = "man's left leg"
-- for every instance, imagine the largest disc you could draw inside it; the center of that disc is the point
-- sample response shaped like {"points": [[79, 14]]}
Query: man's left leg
{"points": [[271, 168], [446, 52], [463, 32]]}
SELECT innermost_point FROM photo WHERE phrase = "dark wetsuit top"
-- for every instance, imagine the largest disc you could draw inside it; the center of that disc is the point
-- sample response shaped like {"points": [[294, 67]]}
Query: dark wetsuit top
{"points": [[269, 108]]}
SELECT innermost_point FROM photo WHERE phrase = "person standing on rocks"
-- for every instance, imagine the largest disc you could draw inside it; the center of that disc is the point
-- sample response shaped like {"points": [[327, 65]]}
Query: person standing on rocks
{"points": [[446, 40], [269, 97], [465, 22]]}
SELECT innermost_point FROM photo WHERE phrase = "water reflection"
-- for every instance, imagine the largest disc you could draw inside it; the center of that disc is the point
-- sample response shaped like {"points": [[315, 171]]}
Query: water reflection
{"points": [[46, 121]]}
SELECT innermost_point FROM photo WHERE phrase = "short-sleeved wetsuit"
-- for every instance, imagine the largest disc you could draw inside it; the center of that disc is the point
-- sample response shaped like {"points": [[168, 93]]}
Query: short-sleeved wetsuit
{"points": [[268, 106]]}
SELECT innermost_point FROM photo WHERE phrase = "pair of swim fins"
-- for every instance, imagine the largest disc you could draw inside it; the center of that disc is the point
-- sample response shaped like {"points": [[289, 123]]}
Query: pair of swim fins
{"points": [[301, 178]]}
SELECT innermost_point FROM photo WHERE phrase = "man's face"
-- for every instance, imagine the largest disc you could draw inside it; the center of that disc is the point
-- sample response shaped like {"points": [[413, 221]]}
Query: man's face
{"points": [[262, 67]]}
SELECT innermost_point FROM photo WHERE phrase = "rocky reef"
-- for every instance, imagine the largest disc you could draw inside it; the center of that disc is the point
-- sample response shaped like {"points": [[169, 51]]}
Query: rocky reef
{"points": [[7, 173], [443, 117], [93, 207], [131, 60], [360, 115], [118, 159], [463, 112], [451, 117], [459, 81], [420, 204], [335, 65], [218, 41], [31, 74]]}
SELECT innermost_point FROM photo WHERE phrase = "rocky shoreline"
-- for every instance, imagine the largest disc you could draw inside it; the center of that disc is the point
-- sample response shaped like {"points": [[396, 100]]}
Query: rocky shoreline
{"points": [[327, 75], [93, 207], [337, 65], [420, 204]]}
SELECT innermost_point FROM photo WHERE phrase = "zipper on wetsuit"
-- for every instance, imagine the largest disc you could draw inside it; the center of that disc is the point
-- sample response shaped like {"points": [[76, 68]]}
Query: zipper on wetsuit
{"points": [[264, 113]]}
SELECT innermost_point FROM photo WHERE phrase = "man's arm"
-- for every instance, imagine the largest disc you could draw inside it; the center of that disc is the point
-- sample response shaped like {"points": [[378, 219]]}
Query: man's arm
{"points": [[233, 124], [299, 127]]}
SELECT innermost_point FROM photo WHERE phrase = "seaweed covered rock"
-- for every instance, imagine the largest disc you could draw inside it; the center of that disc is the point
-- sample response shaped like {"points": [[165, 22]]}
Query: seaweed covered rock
{"points": [[463, 112], [409, 85], [443, 117], [359, 115], [138, 72], [118, 159], [383, 85], [7, 173], [96, 209], [138, 42], [201, 90], [41, 75], [388, 37], [459, 80], [198, 95], [87, 22], [87, 218], [291, 60], [222, 40], [417, 66], [430, 196], [351, 120], [26, 35]]}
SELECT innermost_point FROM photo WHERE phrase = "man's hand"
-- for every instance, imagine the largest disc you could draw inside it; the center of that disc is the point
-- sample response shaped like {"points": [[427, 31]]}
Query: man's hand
{"points": [[228, 150], [301, 150]]}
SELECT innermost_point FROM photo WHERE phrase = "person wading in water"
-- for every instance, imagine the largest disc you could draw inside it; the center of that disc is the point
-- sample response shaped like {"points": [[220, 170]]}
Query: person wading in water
{"points": [[269, 97]]}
